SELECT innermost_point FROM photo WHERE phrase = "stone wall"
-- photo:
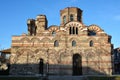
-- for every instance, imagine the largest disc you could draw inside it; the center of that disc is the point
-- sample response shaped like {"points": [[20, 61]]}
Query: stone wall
{"points": [[95, 58]]}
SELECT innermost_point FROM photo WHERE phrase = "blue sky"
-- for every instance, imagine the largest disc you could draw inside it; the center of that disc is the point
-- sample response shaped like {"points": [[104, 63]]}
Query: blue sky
{"points": [[14, 14]]}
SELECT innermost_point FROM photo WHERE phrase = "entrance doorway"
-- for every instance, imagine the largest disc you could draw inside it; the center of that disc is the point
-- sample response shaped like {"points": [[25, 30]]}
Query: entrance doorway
{"points": [[77, 65], [41, 65]]}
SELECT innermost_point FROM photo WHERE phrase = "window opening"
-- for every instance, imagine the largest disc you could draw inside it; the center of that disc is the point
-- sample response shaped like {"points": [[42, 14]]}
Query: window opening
{"points": [[64, 19], [56, 43], [73, 43], [91, 43], [71, 17]]}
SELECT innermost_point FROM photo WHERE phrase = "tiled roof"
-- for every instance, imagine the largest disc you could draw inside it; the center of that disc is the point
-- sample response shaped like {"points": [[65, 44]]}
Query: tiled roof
{"points": [[6, 50]]}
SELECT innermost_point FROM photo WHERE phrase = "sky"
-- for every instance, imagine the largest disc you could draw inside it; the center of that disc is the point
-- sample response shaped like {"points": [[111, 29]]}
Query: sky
{"points": [[14, 15]]}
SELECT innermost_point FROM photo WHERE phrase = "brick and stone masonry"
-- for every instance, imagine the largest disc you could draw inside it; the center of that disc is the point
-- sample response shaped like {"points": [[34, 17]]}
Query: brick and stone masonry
{"points": [[72, 48]]}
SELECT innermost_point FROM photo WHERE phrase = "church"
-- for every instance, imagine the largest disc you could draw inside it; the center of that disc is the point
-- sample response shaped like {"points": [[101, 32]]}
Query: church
{"points": [[72, 48]]}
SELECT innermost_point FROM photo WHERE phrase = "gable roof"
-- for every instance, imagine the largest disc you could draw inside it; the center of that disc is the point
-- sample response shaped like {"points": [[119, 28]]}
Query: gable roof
{"points": [[6, 50]]}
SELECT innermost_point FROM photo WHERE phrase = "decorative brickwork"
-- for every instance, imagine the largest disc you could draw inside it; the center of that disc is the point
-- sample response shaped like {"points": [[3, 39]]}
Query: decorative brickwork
{"points": [[69, 49]]}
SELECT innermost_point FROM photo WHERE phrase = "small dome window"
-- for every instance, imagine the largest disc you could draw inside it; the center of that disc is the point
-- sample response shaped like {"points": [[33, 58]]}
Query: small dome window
{"points": [[71, 17], [53, 33], [64, 19], [73, 43]]}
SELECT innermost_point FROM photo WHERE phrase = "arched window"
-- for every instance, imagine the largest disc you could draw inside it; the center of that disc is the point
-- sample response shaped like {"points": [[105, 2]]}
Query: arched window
{"points": [[56, 43], [70, 30], [64, 19], [73, 30], [76, 30], [91, 43], [71, 17], [79, 18], [53, 33], [73, 43], [92, 33]]}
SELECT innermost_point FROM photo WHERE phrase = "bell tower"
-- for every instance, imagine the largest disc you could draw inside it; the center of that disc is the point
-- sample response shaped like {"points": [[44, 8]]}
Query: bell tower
{"points": [[70, 14], [38, 26], [41, 24], [31, 27]]}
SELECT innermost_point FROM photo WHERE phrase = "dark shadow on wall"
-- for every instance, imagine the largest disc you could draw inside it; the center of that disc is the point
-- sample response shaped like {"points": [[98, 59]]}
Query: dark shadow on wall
{"points": [[56, 69]]}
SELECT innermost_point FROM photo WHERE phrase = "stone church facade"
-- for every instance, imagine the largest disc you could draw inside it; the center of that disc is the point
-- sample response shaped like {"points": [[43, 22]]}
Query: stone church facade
{"points": [[69, 49]]}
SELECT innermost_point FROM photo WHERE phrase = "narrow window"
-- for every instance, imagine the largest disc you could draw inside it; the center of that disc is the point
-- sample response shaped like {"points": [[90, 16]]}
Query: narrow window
{"points": [[70, 30], [71, 17], [73, 30], [64, 19], [56, 43], [91, 43], [79, 18], [76, 30], [73, 43]]}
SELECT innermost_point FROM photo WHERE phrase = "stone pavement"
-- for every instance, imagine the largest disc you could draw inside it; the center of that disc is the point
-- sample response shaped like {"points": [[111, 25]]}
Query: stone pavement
{"points": [[66, 78]]}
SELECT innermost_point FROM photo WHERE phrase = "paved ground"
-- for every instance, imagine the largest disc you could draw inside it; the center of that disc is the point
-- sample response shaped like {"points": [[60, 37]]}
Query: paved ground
{"points": [[66, 78], [85, 77]]}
